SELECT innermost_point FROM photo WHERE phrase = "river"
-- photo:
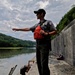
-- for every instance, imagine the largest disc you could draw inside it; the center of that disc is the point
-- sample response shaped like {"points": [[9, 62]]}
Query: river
{"points": [[20, 60]]}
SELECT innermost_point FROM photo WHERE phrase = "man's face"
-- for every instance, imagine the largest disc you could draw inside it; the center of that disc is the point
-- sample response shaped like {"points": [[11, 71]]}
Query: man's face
{"points": [[39, 15]]}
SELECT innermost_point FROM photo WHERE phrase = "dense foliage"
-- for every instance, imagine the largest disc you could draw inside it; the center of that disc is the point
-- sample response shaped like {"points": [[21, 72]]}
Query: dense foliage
{"points": [[66, 19], [8, 41]]}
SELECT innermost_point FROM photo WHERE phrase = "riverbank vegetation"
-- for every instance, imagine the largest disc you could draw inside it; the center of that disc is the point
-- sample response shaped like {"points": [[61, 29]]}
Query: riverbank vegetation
{"points": [[66, 19], [8, 41]]}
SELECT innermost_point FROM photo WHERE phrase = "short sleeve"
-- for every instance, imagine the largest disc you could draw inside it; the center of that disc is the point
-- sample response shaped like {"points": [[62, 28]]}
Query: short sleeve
{"points": [[48, 26], [51, 26], [33, 27]]}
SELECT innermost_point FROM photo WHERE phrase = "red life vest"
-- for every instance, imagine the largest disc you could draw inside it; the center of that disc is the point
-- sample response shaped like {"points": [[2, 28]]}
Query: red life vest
{"points": [[37, 34]]}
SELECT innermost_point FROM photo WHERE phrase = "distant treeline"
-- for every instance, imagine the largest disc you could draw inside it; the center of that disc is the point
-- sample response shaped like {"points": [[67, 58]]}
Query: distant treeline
{"points": [[8, 41]]}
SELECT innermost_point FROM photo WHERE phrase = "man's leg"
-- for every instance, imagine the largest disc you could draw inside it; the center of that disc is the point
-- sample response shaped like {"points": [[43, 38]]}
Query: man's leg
{"points": [[38, 58], [42, 53], [44, 61]]}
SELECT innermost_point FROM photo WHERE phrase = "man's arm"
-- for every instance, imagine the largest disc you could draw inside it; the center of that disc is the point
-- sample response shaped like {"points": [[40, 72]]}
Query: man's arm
{"points": [[48, 33], [53, 32], [21, 29]]}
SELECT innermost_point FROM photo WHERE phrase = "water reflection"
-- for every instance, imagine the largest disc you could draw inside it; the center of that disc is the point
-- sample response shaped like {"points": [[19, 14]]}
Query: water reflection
{"points": [[16, 57], [11, 51]]}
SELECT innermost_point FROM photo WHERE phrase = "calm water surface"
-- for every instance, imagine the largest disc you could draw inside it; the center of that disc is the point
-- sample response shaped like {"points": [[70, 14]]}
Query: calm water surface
{"points": [[20, 60]]}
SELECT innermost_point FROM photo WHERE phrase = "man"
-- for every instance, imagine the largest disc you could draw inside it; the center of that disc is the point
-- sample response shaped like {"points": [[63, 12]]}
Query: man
{"points": [[42, 33]]}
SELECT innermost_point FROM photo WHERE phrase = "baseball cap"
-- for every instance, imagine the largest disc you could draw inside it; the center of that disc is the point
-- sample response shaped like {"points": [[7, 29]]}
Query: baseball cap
{"points": [[40, 11]]}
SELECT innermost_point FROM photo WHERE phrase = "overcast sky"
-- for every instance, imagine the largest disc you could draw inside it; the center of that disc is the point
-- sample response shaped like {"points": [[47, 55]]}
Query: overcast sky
{"points": [[19, 13]]}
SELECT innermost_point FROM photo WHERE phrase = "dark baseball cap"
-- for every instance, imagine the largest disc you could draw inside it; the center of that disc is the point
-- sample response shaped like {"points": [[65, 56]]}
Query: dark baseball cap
{"points": [[40, 11]]}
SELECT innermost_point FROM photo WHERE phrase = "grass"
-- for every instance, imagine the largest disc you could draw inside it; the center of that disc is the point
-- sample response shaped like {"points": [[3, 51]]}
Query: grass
{"points": [[11, 47]]}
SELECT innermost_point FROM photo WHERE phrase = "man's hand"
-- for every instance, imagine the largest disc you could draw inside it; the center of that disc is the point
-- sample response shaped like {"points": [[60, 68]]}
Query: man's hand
{"points": [[43, 32], [15, 29]]}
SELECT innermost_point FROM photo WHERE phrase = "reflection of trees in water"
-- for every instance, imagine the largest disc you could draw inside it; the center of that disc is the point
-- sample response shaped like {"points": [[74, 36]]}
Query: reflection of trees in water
{"points": [[6, 53]]}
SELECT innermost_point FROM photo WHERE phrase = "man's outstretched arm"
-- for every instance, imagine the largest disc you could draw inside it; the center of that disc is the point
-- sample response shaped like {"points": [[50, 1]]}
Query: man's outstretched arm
{"points": [[21, 29]]}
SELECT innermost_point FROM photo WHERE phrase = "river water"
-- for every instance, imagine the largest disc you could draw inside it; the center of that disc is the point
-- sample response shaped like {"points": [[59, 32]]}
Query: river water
{"points": [[20, 60]]}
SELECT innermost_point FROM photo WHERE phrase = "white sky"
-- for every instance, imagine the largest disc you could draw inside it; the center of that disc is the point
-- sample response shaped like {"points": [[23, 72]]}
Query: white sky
{"points": [[19, 13]]}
